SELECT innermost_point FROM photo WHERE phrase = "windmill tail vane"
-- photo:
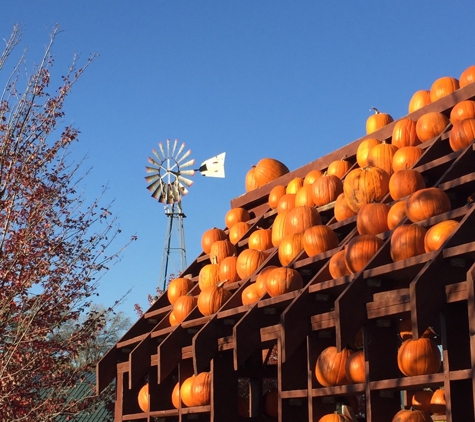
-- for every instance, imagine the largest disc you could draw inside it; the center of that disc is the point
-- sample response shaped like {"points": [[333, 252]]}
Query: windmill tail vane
{"points": [[213, 167]]}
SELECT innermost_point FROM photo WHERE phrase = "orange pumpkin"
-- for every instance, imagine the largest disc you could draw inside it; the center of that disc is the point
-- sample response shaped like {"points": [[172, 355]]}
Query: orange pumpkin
{"points": [[260, 239], [365, 185], [360, 250], [294, 185], [438, 403], [405, 329], [426, 203], [286, 202], [201, 389], [372, 218], [237, 232], [172, 319], [304, 196], [261, 280], [319, 239], [183, 306], [430, 125], [271, 407], [337, 265], [418, 100], [211, 299], [176, 396], [275, 194], [462, 110], [290, 246], [341, 209], [300, 219], [278, 228], [381, 156], [396, 214], [467, 77], [330, 367], [210, 236], [407, 241], [267, 170], [377, 121], [405, 182], [418, 357], [421, 400], [208, 275], [283, 280], [404, 133], [178, 287], [249, 260], [224, 248], [236, 215], [143, 398], [249, 294], [355, 367], [227, 270], [442, 87], [250, 181], [339, 167], [186, 393], [363, 150], [462, 134], [411, 415], [335, 417], [326, 189], [406, 157], [438, 234], [311, 176]]}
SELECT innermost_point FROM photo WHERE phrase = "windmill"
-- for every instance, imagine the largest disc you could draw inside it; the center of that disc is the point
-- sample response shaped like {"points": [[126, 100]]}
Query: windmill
{"points": [[168, 180]]}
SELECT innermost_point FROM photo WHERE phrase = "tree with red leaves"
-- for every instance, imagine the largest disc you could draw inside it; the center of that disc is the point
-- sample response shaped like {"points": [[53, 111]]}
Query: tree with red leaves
{"points": [[53, 246]]}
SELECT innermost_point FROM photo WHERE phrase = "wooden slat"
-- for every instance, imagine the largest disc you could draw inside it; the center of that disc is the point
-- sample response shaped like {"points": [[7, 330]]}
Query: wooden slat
{"points": [[139, 360]]}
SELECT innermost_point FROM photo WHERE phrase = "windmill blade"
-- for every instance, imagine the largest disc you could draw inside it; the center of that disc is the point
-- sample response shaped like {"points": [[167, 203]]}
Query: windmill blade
{"points": [[188, 172], [152, 178], [168, 147], [175, 142], [185, 181], [213, 167], [155, 152], [156, 188], [170, 199], [176, 192], [155, 163], [186, 154], [188, 163], [160, 145], [182, 146]]}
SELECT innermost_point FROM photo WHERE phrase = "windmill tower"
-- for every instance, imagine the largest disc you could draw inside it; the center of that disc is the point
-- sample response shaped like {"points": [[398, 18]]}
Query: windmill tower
{"points": [[168, 180]]}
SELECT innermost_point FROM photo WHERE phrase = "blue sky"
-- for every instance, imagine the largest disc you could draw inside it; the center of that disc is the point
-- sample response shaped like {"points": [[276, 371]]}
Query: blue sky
{"points": [[292, 80]]}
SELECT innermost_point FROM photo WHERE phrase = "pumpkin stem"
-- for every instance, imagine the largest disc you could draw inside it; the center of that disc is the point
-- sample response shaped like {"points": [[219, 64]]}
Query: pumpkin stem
{"points": [[376, 111]]}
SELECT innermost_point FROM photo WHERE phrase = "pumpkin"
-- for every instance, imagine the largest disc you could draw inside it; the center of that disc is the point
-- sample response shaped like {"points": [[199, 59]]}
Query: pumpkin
{"points": [[224, 248], [396, 214], [418, 100], [208, 275], [278, 228], [442, 87], [178, 287], [294, 185], [304, 196], [404, 133], [411, 415], [176, 396], [462, 110], [438, 234], [237, 232], [363, 150], [404, 183], [381, 156], [335, 417], [286, 203], [210, 236], [250, 181], [372, 218], [186, 393], [467, 77], [183, 306], [339, 168], [430, 125], [462, 134], [341, 209], [426, 203], [283, 280], [407, 241], [355, 367], [326, 189], [360, 250], [418, 357], [172, 319], [365, 185], [227, 270], [421, 400], [212, 298], [300, 219], [249, 260], [143, 398], [249, 294], [406, 157], [235, 215], [275, 194], [261, 280], [377, 121], [405, 329], [201, 389], [311, 176], [438, 403], [267, 170], [319, 239], [337, 265], [330, 367], [260, 239], [290, 246], [271, 399]]}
